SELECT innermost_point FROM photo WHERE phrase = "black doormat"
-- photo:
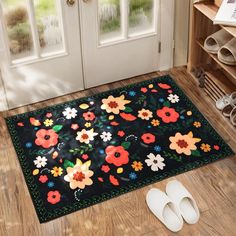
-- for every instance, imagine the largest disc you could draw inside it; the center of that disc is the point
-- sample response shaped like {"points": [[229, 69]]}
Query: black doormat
{"points": [[85, 151]]}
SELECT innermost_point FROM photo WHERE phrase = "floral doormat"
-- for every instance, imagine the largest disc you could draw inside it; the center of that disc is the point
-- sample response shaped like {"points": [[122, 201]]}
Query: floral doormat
{"points": [[83, 152]]}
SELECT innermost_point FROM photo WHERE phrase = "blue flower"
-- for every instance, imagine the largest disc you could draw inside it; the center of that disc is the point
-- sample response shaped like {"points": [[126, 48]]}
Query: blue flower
{"points": [[36, 128], [50, 184], [28, 144], [132, 93], [132, 176], [161, 100], [149, 126], [101, 151], [157, 148], [182, 117]]}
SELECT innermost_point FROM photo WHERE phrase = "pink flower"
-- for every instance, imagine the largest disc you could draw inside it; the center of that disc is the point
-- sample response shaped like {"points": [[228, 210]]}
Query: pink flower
{"points": [[105, 168], [74, 126]]}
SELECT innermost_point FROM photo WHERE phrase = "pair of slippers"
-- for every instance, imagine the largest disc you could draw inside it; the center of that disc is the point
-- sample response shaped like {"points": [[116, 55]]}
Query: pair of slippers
{"points": [[174, 206], [227, 104], [224, 45]]}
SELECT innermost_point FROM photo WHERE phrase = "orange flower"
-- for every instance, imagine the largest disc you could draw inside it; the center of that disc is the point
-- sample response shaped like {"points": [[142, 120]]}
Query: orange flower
{"points": [[183, 143], [46, 138], [137, 165], [197, 124], [155, 122], [114, 104], [205, 147]]}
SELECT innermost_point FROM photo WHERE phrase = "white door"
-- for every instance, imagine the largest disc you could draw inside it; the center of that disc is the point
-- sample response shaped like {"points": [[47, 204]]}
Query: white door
{"points": [[120, 39], [42, 50]]}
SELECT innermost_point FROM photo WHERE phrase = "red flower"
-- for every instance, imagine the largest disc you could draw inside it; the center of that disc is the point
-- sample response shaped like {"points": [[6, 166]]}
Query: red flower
{"points": [[168, 114], [148, 138], [121, 133], [43, 178], [105, 168], [144, 90], [117, 155], [54, 197], [89, 116], [46, 138], [216, 147], [85, 156], [164, 86]]}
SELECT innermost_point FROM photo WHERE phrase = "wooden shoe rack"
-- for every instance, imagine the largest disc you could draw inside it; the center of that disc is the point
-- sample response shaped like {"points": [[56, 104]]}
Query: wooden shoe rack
{"points": [[220, 78]]}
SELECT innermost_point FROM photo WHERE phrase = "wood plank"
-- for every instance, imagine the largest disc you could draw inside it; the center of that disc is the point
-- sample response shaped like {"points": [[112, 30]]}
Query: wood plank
{"points": [[213, 186]]}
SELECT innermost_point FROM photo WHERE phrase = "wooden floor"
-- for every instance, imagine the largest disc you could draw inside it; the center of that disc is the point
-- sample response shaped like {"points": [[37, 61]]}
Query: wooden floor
{"points": [[213, 186]]}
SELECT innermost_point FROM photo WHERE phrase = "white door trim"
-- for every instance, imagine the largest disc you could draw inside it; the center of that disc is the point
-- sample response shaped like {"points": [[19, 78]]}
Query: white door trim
{"points": [[167, 34]]}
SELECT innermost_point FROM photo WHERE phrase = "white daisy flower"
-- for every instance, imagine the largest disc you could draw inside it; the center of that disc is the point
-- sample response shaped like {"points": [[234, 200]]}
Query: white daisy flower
{"points": [[40, 161], [70, 113], [85, 136], [173, 98], [156, 162], [106, 136]]}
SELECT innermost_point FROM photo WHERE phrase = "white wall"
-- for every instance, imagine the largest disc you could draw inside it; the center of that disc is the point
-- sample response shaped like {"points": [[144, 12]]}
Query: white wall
{"points": [[181, 32]]}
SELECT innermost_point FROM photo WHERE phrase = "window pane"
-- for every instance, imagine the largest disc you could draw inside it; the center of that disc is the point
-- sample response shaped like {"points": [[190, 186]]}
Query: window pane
{"points": [[109, 19], [18, 28], [141, 16], [48, 25]]}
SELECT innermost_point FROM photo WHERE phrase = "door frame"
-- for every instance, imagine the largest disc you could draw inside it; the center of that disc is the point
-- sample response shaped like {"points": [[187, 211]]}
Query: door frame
{"points": [[167, 34]]}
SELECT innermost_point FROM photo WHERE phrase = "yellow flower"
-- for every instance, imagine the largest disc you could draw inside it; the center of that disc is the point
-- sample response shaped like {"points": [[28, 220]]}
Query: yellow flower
{"points": [[155, 122], [184, 143], [145, 114], [114, 104], [189, 113], [137, 165], [150, 86], [48, 122], [57, 171], [87, 124], [197, 124], [205, 147], [79, 175]]}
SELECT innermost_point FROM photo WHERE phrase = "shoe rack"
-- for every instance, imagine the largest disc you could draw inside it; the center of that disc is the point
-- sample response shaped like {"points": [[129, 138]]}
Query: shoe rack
{"points": [[219, 76]]}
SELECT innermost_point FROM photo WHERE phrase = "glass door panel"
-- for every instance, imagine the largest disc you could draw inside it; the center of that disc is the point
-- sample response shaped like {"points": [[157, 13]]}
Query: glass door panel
{"points": [[49, 27], [34, 29], [109, 13], [121, 20], [141, 17], [18, 28]]}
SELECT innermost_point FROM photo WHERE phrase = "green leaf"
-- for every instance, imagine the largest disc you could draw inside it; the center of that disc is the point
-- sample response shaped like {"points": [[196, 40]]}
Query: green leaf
{"points": [[166, 104], [128, 109], [57, 128], [126, 145], [68, 164], [196, 153]]}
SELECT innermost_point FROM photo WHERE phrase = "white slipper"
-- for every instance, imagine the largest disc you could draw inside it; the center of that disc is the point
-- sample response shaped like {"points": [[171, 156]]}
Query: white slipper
{"points": [[233, 116], [183, 201], [227, 53], [164, 209], [215, 41]]}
